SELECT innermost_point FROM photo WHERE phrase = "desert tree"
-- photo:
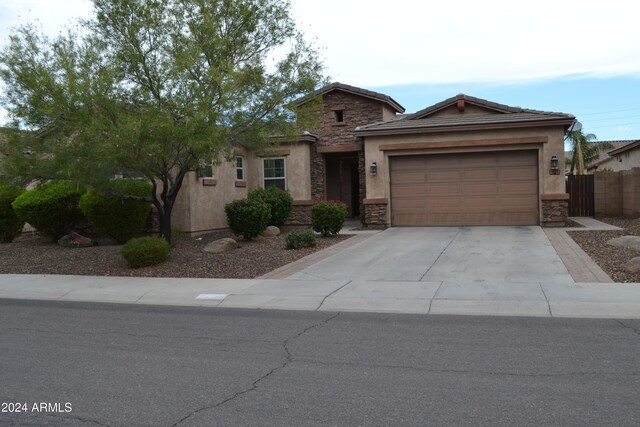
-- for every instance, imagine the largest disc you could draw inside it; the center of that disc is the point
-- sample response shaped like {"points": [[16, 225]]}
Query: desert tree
{"points": [[152, 88]]}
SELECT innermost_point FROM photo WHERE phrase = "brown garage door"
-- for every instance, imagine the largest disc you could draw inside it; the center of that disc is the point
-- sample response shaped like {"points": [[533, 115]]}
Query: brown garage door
{"points": [[495, 188]]}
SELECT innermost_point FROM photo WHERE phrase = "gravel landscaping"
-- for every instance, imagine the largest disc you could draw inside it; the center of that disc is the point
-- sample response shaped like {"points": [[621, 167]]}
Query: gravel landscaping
{"points": [[31, 254], [611, 259]]}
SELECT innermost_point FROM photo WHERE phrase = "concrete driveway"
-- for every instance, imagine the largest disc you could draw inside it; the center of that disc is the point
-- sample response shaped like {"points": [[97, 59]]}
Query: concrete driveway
{"points": [[447, 254]]}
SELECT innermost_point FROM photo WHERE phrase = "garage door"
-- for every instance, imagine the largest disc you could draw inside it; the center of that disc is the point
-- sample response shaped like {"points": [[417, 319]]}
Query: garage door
{"points": [[495, 188]]}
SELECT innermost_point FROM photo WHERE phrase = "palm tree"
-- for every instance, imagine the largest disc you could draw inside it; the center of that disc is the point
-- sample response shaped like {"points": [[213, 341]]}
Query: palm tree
{"points": [[585, 149]]}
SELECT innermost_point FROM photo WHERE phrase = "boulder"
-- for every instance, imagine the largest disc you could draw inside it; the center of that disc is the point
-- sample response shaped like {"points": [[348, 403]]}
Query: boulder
{"points": [[220, 245], [625, 242], [271, 231], [75, 240], [633, 266]]}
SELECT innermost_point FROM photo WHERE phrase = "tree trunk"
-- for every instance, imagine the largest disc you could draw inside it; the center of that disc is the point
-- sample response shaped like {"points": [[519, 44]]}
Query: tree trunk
{"points": [[165, 220], [579, 158]]}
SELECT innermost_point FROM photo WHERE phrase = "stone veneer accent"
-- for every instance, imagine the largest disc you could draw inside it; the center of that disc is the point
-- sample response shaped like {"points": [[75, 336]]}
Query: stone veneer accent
{"points": [[357, 111], [375, 213], [555, 210], [362, 171], [301, 214]]}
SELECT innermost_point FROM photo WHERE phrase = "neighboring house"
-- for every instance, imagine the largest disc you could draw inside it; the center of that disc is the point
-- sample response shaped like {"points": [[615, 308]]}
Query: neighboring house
{"points": [[624, 156], [463, 161]]}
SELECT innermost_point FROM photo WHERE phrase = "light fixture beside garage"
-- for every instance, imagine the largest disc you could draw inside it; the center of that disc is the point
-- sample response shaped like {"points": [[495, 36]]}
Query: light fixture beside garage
{"points": [[373, 169], [555, 170]]}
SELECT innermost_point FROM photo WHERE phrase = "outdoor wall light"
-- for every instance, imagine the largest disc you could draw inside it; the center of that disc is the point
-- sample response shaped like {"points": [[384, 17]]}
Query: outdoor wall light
{"points": [[373, 169], [555, 170]]}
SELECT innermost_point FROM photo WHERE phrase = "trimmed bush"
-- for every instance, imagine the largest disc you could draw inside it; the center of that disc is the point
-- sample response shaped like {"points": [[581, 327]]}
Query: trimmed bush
{"points": [[280, 202], [51, 208], [115, 216], [248, 218], [10, 223], [145, 251], [327, 216], [297, 239]]}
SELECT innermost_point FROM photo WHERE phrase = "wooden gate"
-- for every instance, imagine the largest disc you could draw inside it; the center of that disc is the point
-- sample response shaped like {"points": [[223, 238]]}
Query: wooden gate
{"points": [[581, 200]]}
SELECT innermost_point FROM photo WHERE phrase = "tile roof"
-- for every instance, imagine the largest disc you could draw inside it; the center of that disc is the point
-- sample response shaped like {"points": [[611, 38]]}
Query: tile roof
{"points": [[477, 101], [629, 145], [508, 116], [606, 155], [354, 90]]}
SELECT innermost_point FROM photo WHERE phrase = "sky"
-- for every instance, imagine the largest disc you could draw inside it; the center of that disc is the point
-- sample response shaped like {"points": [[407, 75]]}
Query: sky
{"points": [[577, 57]]}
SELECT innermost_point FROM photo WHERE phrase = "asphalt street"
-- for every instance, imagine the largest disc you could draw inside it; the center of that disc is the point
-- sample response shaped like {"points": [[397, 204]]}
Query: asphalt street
{"points": [[126, 365]]}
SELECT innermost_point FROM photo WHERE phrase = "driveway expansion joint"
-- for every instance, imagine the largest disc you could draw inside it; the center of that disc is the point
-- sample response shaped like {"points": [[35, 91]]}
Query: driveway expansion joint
{"points": [[434, 297], [254, 384], [546, 299], [333, 292], [439, 255]]}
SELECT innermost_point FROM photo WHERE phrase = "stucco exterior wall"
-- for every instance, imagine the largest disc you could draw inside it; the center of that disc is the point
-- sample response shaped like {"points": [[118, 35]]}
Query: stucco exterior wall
{"points": [[297, 168], [378, 187], [200, 203], [624, 161]]}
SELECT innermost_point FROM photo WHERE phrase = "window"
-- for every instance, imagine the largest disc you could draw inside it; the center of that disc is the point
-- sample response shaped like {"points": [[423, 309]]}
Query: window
{"points": [[339, 116], [240, 168], [205, 170], [274, 172]]}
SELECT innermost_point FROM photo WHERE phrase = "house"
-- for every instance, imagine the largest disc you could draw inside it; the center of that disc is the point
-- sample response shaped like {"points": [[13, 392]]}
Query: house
{"points": [[624, 156], [462, 161]]}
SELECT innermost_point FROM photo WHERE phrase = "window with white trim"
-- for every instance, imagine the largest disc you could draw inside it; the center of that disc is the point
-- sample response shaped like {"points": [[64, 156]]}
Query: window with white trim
{"points": [[240, 168], [274, 172]]}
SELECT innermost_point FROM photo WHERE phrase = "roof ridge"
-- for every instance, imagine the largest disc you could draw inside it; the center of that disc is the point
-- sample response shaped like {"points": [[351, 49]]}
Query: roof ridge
{"points": [[353, 89], [418, 115]]}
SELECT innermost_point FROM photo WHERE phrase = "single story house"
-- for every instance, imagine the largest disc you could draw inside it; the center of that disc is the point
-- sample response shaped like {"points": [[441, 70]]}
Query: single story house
{"points": [[462, 161], [625, 155]]}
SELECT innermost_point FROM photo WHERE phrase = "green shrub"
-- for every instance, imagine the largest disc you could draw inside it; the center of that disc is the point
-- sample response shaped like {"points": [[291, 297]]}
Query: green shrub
{"points": [[297, 239], [10, 223], [247, 217], [280, 202], [116, 216], [145, 251], [327, 216], [51, 208]]}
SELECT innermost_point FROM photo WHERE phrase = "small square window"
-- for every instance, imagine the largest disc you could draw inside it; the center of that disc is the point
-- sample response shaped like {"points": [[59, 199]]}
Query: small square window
{"points": [[205, 170], [240, 168], [339, 116]]}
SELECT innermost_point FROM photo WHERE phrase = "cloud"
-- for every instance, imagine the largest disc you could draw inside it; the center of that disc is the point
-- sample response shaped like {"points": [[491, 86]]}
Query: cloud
{"points": [[370, 43]]}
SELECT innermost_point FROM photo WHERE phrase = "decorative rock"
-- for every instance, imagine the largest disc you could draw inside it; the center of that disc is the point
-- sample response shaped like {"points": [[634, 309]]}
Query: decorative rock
{"points": [[633, 266], [74, 240], [271, 231], [625, 242], [221, 245]]}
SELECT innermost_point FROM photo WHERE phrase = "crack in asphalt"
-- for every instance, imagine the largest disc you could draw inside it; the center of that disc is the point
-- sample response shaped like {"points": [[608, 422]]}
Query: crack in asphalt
{"points": [[465, 371], [624, 325], [254, 385]]}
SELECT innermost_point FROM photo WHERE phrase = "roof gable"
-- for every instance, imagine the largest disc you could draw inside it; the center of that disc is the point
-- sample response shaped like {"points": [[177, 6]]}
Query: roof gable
{"points": [[385, 99], [449, 115], [461, 103]]}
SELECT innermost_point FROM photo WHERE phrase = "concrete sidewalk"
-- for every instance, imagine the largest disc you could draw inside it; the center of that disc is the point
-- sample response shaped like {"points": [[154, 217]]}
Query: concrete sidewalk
{"points": [[454, 274], [594, 300]]}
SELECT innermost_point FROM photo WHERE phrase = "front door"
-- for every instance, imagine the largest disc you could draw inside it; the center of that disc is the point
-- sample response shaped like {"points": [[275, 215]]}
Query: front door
{"points": [[343, 181]]}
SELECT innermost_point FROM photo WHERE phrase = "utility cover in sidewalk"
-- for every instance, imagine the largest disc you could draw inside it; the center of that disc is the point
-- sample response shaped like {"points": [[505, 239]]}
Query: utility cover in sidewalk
{"points": [[212, 296]]}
